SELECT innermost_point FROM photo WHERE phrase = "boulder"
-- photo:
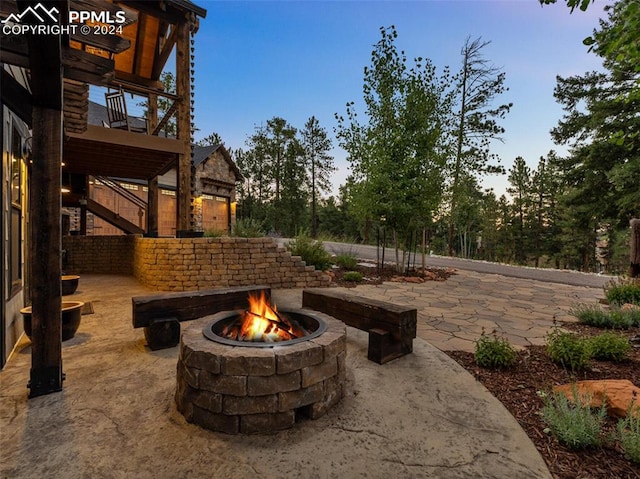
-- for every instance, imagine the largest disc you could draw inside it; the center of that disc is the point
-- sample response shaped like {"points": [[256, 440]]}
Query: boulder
{"points": [[619, 393]]}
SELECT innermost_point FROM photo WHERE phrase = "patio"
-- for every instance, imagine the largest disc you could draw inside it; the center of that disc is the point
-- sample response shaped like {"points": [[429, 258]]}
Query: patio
{"points": [[418, 416]]}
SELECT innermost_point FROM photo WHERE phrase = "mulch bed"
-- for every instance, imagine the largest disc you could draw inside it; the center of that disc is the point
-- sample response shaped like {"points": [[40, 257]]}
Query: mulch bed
{"points": [[373, 275], [517, 389]]}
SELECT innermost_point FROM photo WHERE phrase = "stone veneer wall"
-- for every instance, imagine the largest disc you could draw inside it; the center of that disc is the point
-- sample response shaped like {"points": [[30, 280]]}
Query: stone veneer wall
{"points": [[204, 263], [98, 254]]}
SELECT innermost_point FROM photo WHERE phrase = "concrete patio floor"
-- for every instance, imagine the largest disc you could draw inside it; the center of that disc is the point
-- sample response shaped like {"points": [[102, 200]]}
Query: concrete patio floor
{"points": [[418, 416]]}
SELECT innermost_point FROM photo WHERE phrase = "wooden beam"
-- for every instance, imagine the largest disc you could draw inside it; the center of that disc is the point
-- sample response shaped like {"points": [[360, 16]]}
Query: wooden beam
{"points": [[183, 89], [153, 190], [110, 43], [126, 138], [140, 44], [16, 97], [161, 58]]}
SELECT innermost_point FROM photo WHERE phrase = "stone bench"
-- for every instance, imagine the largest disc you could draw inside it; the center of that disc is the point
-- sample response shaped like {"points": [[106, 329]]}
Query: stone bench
{"points": [[391, 327], [160, 314]]}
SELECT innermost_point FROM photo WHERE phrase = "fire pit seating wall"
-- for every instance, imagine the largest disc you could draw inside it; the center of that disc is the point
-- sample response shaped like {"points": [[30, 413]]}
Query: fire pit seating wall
{"points": [[391, 327], [160, 315]]}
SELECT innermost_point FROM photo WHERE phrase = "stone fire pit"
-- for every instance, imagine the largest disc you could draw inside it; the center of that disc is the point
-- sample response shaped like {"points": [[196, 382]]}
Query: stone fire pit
{"points": [[247, 390]]}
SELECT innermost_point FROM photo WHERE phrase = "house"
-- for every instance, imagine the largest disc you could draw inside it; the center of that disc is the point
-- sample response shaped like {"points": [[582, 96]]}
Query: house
{"points": [[45, 74], [216, 176]]}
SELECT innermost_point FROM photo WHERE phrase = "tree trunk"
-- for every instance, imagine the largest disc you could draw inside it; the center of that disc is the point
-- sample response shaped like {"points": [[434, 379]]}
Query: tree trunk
{"points": [[635, 249]]}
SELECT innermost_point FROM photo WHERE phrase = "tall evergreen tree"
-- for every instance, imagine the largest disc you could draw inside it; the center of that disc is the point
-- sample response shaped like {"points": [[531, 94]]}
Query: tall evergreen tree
{"points": [[520, 190], [316, 145]]}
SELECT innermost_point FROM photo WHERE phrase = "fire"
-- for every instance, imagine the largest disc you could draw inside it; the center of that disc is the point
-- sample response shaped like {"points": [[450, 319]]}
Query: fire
{"points": [[261, 322]]}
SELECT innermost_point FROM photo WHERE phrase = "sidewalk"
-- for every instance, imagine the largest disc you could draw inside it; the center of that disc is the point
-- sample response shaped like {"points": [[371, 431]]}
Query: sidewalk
{"points": [[418, 416]]}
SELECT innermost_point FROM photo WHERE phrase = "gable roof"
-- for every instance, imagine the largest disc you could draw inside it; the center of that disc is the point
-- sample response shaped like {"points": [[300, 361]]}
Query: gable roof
{"points": [[202, 153]]}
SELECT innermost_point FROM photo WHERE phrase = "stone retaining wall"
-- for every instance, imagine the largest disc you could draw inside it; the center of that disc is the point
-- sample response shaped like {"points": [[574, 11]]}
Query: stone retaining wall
{"points": [[186, 264], [203, 263], [98, 254]]}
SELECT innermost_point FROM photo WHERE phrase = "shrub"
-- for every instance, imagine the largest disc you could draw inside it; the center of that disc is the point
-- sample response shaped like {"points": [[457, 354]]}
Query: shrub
{"points": [[614, 318], [494, 352], [568, 350], [311, 251], [214, 233], [347, 261], [354, 276], [629, 433], [623, 291], [609, 347], [576, 426], [248, 228]]}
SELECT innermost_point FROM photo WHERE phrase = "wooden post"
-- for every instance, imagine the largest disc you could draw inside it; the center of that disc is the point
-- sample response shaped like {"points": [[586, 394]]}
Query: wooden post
{"points": [[635, 249], [183, 90], [45, 208], [153, 191], [46, 318]]}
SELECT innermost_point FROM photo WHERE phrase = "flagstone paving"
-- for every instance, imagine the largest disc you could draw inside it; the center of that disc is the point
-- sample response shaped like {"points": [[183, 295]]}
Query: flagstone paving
{"points": [[453, 314]]}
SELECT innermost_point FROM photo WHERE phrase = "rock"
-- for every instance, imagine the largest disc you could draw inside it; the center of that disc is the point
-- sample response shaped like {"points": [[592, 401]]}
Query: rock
{"points": [[619, 394], [413, 279], [629, 307]]}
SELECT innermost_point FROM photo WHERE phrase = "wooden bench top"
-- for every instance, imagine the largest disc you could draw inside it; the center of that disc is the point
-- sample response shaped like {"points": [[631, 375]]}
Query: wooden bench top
{"points": [[188, 305]]}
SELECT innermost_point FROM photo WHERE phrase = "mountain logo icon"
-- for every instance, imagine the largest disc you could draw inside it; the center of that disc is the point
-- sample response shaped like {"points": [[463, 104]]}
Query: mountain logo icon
{"points": [[33, 15]]}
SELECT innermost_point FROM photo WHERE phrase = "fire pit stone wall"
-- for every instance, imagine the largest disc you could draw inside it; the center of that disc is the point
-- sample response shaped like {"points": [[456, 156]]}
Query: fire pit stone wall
{"points": [[244, 390]]}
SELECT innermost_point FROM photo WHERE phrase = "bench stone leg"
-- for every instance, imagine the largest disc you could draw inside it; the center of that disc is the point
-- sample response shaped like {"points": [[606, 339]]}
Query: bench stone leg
{"points": [[162, 333], [383, 347]]}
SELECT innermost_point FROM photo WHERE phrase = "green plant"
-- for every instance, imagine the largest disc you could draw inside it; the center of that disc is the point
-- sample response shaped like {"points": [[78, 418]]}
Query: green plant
{"points": [[248, 228], [347, 261], [311, 251], [629, 433], [609, 346], [214, 233], [614, 318], [623, 291], [577, 425], [354, 276], [568, 350], [494, 352]]}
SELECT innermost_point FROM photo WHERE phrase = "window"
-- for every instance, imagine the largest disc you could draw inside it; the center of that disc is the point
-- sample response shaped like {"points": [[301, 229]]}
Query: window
{"points": [[15, 224]]}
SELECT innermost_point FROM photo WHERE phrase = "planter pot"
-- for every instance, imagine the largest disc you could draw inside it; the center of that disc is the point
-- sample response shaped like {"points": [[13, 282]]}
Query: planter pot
{"points": [[69, 284], [71, 315]]}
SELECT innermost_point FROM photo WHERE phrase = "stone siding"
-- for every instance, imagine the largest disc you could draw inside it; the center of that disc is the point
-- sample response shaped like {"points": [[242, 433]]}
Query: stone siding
{"points": [[98, 254], [205, 263]]}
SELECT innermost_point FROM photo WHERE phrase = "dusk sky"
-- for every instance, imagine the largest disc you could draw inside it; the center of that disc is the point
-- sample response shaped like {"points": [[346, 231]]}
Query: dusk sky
{"points": [[294, 59]]}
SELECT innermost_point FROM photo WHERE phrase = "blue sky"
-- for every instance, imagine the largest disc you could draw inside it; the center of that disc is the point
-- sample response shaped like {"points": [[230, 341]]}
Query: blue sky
{"points": [[294, 59]]}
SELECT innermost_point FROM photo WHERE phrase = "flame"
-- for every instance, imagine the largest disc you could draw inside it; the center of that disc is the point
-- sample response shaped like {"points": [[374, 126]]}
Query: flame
{"points": [[261, 322]]}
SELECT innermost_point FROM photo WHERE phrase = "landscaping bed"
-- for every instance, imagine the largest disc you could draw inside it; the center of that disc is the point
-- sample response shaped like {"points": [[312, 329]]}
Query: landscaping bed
{"points": [[518, 389], [372, 275]]}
